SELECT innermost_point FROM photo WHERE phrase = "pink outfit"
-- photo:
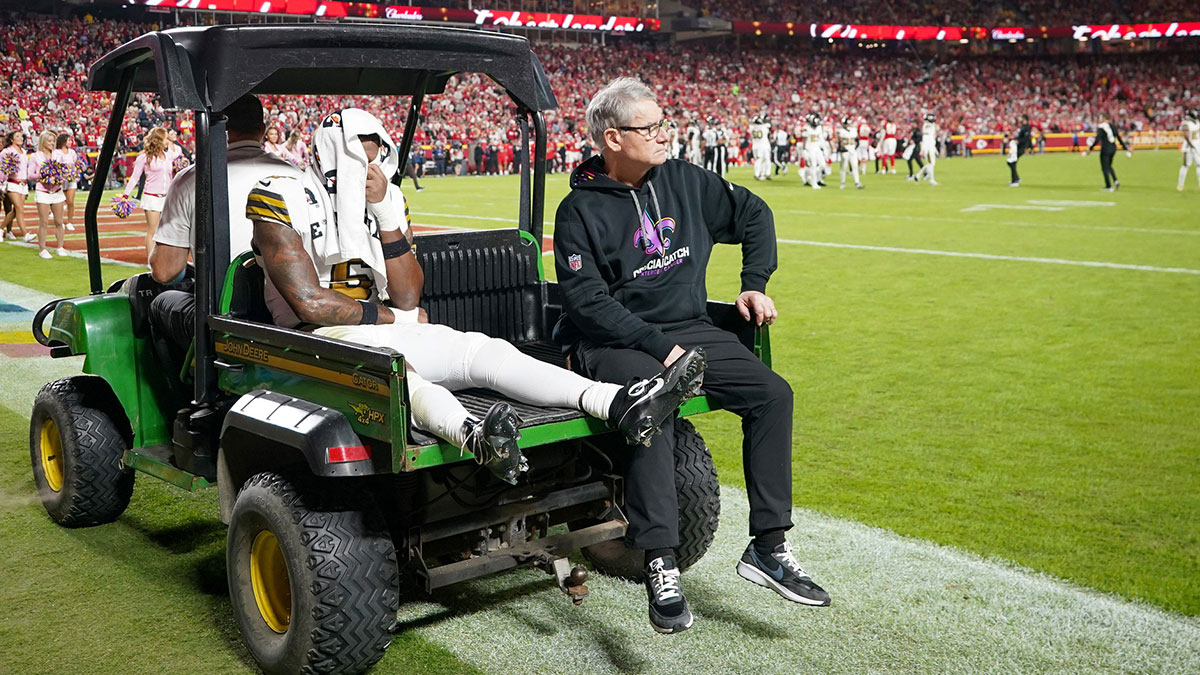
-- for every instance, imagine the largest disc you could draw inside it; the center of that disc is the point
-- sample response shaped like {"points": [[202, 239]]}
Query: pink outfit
{"points": [[36, 160], [22, 173], [158, 175], [295, 157]]}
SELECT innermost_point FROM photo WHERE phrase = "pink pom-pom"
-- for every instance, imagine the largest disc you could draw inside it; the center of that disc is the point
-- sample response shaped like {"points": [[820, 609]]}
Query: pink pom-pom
{"points": [[123, 205], [179, 164]]}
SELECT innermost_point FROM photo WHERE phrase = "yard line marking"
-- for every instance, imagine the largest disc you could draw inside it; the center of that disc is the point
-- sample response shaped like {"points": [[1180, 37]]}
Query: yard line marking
{"points": [[1013, 207], [1067, 202], [1008, 223], [989, 256]]}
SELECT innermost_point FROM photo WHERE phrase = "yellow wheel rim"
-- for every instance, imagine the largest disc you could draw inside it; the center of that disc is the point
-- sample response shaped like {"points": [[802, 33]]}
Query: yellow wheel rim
{"points": [[270, 581], [51, 452]]}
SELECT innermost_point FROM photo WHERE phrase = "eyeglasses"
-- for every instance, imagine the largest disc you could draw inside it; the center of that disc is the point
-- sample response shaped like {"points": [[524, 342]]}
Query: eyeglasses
{"points": [[650, 131]]}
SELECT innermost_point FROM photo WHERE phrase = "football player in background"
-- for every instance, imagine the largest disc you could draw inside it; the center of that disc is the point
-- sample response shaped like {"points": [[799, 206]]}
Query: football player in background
{"points": [[1190, 147], [928, 148], [888, 148], [847, 140], [814, 155], [760, 147]]}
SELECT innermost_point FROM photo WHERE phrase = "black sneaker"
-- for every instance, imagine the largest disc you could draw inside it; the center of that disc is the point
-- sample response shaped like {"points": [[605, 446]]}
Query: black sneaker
{"points": [[781, 573], [669, 612], [640, 409], [493, 441]]}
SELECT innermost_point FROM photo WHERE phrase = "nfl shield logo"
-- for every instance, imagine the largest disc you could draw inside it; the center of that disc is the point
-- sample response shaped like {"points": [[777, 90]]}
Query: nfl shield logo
{"points": [[575, 261]]}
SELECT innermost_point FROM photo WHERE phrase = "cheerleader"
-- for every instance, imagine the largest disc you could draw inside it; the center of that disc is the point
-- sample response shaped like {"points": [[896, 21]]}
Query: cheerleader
{"points": [[271, 144], [64, 150], [48, 193], [153, 163], [294, 151], [16, 170]]}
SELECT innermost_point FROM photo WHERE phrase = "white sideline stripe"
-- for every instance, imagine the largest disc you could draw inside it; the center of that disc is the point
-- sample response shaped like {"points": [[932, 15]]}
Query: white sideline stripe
{"points": [[25, 376], [899, 605], [1010, 223], [988, 256], [15, 294]]}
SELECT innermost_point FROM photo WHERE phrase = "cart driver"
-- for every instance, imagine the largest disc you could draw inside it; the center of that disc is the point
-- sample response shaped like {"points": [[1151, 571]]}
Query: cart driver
{"points": [[336, 247], [173, 312]]}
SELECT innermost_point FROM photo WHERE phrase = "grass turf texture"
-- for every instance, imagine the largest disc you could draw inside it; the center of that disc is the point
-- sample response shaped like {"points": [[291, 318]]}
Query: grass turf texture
{"points": [[1039, 413]]}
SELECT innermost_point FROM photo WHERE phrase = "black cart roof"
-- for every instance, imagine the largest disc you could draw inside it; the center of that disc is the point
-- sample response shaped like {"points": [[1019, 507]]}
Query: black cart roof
{"points": [[207, 68]]}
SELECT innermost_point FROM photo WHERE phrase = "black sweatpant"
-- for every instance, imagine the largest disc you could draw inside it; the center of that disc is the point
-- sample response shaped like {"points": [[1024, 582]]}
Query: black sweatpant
{"points": [[736, 381], [1110, 176], [172, 329], [920, 164], [1012, 166]]}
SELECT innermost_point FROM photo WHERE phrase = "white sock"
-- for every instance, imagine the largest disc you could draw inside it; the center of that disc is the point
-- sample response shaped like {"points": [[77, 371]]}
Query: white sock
{"points": [[436, 410], [597, 399]]}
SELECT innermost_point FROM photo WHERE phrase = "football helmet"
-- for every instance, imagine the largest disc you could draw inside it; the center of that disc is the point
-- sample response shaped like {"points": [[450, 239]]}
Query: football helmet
{"points": [[847, 122], [929, 117], [1193, 115]]}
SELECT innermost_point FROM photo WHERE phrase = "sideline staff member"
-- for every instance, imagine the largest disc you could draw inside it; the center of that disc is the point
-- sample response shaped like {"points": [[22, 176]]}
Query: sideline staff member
{"points": [[1107, 137], [631, 244], [173, 312]]}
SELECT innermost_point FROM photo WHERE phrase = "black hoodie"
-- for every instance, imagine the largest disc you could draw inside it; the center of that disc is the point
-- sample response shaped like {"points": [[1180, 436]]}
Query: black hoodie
{"points": [[631, 261]]}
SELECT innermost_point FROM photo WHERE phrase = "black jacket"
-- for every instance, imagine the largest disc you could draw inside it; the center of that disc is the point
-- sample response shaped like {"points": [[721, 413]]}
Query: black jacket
{"points": [[632, 262], [1107, 137]]}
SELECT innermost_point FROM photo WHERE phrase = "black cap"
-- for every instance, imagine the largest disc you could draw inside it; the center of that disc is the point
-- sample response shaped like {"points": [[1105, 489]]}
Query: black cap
{"points": [[245, 115]]}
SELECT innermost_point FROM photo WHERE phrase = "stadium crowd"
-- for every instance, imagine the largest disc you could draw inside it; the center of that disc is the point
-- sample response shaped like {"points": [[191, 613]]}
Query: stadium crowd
{"points": [[952, 12], [46, 61]]}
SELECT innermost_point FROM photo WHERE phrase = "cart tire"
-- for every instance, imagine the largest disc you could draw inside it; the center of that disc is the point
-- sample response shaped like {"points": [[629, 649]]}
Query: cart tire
{"points": [[699, 496], [76, 449], [312, 572]]}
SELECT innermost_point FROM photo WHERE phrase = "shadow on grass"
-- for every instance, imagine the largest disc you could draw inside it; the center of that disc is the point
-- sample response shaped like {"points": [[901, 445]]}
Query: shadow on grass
{"points": [[558, 617], [189, 553]]}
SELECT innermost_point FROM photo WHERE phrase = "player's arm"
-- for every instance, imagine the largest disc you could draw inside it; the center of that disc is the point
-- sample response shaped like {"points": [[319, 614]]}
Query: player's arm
{"points": [[405, 278], [291, 270]]}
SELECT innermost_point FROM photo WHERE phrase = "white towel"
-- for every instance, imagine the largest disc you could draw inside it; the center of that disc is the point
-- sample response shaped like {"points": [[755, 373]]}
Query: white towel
{"points": [[340, 164]]}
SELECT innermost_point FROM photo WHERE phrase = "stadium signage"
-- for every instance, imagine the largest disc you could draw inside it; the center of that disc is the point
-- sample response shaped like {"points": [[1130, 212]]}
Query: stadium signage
{"points": [[486, 17], [850, 31], [480, 17], [1137, 30], [1008, 33]]}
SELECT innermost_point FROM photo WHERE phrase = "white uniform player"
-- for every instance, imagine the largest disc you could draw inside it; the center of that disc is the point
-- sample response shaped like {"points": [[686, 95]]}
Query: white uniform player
{"points": [[1190, 147], [847, 137], [694, 154], [928, 149], [673, 140], [814, 140], [760, 146]]}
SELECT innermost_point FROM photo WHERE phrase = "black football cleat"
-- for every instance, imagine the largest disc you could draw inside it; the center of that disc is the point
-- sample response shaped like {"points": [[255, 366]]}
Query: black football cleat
{"points": [[640, 409]]}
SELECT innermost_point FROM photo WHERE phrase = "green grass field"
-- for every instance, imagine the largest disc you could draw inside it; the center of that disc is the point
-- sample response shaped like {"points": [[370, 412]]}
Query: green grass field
{"points": [[1013, 374]]}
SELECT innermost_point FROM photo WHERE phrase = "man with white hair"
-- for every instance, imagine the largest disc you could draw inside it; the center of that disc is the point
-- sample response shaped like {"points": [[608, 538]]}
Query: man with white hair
{"points": [[632, 241], [336, 246]]}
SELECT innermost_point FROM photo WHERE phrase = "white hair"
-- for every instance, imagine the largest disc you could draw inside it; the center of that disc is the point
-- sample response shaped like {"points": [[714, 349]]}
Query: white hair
{"points": [[612, 106]]}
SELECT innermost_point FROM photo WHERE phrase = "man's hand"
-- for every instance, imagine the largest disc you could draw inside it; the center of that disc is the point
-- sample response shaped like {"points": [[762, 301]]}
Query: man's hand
{"points": [[377, 184], [756, 307]]}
